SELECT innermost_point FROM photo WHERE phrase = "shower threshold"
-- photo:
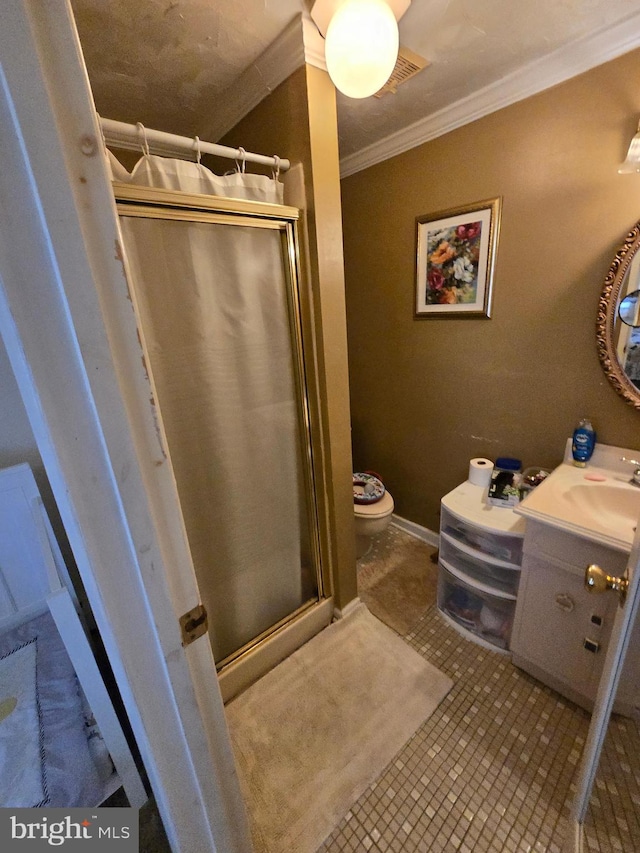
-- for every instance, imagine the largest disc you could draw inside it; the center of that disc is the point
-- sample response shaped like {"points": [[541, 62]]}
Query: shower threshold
{"points": [[256, 659]]}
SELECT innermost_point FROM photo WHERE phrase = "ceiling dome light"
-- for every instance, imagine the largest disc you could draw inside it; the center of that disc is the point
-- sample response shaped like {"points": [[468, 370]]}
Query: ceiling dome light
{"points": [[361, 47]]}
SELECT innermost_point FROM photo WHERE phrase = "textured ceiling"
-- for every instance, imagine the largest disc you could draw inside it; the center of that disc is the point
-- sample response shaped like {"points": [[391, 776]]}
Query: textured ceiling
{"points": [[168, 63], [471, 44]]}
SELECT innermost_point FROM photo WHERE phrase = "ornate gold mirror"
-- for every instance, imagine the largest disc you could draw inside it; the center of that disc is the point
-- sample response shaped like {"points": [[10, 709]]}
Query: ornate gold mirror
{"points": [[618, 323]]}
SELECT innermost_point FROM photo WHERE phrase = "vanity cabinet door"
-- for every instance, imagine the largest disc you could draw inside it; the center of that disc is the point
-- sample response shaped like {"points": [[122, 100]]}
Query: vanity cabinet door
{"points": [[556, 626]]}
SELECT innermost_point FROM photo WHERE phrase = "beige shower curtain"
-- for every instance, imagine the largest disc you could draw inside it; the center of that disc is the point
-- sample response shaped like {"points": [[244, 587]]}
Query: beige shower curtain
{"points": [[215, 316]]}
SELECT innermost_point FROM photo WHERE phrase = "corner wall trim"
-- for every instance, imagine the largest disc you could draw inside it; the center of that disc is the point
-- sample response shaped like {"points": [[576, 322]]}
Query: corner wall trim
{"points": [[416, 530], [562, 64], [313, 43], [347, 609], [278, 62]]}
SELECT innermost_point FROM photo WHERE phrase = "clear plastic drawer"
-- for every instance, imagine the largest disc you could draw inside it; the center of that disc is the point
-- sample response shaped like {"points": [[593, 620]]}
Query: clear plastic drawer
{"points": [[487, 616], [501, 578], [500, 546]]}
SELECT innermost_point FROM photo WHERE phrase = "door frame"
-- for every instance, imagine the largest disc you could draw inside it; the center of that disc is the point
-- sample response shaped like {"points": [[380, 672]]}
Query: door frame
{"points": [[611, 673], [71, 337]]}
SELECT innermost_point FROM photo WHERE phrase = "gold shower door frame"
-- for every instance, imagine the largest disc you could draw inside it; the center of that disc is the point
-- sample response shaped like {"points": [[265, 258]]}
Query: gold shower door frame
{"points": [[151, 203]]}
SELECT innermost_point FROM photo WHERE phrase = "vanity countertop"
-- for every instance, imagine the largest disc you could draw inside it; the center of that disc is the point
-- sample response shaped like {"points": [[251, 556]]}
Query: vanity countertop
{"points": [[597, 502]]}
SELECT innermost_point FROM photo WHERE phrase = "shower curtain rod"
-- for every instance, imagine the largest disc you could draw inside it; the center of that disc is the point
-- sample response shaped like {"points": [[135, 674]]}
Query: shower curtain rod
{"points": [[135, 137]]}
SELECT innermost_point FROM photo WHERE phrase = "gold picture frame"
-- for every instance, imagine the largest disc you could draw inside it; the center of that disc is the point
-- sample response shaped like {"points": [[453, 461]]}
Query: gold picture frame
{"points": [[455, 260]]}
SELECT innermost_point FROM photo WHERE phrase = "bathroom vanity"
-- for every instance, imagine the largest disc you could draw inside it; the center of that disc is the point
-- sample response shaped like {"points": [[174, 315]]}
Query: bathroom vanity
{"points": [[575, 518], [479, 565]]}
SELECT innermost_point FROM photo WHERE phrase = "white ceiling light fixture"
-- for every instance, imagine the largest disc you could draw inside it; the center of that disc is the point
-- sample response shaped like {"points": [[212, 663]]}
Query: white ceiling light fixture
{"points": [[361, 42], [361, 47]]}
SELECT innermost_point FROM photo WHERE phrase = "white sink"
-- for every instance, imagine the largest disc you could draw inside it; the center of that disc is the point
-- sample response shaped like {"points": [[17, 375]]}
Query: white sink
{"points": [[597, 502], [611, 506]]}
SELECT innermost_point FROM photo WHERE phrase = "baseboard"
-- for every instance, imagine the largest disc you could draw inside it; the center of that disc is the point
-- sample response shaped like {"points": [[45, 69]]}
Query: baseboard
{"points": [[416, 530], [347, 609]]}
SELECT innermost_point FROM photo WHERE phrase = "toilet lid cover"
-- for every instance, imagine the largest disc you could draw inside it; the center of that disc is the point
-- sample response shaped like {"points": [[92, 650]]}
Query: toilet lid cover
{"points": [[367, 488]]}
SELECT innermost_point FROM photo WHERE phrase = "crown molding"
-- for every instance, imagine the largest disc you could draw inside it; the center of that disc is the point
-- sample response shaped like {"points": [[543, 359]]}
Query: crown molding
{"points": [[283, 56], [300, 42], [313, 43], [564, 63]]}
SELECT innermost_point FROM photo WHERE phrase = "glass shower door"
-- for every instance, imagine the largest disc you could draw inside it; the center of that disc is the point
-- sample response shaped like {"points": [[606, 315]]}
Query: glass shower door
{"points": [[217, 300]]}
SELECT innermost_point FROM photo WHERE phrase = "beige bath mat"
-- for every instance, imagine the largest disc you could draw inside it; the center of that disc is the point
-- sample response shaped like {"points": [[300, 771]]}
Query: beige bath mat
{"points": [[317, 730]]}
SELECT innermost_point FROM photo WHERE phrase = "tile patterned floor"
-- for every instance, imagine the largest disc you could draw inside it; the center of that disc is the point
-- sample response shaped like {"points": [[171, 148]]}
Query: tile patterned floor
{"points": [[492, 768]]}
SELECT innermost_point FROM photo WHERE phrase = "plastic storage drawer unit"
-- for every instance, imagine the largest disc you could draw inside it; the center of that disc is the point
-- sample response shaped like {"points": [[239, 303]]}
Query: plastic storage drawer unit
{"points": [[486, 615], [492, 543], [503, 577], [480, 565]]}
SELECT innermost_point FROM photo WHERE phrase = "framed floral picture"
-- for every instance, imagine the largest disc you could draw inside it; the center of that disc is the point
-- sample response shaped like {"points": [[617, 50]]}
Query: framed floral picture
{"points": [[456, 252]]}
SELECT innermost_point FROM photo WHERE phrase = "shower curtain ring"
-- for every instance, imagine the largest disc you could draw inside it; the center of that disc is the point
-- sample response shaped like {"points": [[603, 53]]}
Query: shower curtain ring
{"points": [[145, 143], [242, 156], [198, 152], [276, 167]]}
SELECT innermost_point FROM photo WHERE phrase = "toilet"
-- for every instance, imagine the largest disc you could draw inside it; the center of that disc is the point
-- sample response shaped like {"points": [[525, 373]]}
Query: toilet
{"points": [[371, 519]]}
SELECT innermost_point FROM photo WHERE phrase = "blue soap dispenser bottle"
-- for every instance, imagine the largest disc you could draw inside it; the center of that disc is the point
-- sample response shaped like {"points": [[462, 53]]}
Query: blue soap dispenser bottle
{"points": [[584, 442]]}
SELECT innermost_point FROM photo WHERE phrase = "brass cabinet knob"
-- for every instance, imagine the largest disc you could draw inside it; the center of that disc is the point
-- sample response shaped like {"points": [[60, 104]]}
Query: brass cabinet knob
{"points": [[597, 580]]}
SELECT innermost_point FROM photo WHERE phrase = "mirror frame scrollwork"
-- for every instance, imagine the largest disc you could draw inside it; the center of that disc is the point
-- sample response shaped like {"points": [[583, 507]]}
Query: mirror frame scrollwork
{"points": [[607, 314]]}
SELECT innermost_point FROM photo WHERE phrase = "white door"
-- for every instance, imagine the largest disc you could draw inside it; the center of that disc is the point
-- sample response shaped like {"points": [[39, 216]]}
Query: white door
{"points": [[614, 662], [71, 336]]}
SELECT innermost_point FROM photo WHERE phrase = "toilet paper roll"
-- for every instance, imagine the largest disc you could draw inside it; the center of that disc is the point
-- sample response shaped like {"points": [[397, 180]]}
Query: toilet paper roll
{"points": [[480, 472]]}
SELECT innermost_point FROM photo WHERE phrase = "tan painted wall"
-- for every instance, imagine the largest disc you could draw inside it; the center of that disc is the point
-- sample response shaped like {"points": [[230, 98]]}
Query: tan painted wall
{"points": [[298, 121], [428, 395]]}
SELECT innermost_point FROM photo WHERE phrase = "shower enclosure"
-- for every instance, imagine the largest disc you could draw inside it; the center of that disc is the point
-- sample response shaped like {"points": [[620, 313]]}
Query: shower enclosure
{"points": [[215, 287]]}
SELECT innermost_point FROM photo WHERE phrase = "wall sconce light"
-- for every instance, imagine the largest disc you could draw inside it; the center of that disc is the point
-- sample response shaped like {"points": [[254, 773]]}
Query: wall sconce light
{"points": [[632, 162], [361, 42]]}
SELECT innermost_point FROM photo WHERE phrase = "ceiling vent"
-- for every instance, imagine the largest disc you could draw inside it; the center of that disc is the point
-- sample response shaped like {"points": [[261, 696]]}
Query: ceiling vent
{"points": [[407, 66]]}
